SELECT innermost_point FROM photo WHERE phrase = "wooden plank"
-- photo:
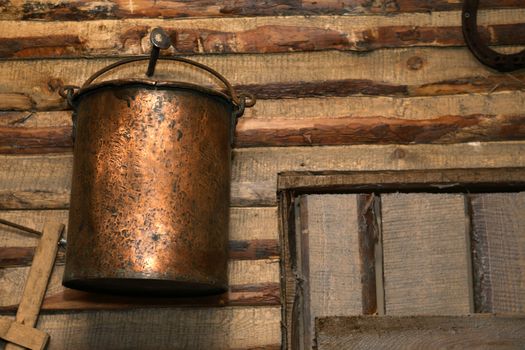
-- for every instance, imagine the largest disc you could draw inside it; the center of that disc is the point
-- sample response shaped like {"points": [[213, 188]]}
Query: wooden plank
{"points": [[402, 108], [44, 181], [445, 180], [420, 332], [252, 282], [330, 259], [190, 328], [91, 10], [38, 278], [313, 132], [498, 250], [30, 85], [426, 254], [35, 39], [26, 336]]}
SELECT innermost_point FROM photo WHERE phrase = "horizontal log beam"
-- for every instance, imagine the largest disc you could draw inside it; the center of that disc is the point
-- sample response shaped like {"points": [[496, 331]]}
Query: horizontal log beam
{"points": [[34, 42], [238, 250], [315, 131], [119, 9], [262, 294], [254, 35]]}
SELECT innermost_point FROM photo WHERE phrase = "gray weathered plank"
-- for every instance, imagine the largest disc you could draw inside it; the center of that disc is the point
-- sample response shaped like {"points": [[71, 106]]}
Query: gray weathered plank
{"points": [[426, 254], [498, 238], [421, 332]]}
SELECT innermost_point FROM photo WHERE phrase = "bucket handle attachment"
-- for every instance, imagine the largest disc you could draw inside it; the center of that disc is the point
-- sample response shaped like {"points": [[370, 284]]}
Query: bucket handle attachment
{"points": [[241, 101]]}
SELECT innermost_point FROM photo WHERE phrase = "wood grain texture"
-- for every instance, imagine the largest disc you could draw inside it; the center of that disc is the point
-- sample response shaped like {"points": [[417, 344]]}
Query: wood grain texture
{"points": [[319, 131], [330, 259], [252, 282], [426, 254], [403, 108], [238, 250], [246, 224], [498, 250], [22, 335], [420, 332], [38, 278], [44, 181], [35, 39], [197, 328], [33, 85], [434, 180], [121, 9]]}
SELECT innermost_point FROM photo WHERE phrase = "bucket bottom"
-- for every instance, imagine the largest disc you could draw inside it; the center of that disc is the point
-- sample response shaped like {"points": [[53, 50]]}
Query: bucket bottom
{"points": [[145, 287]]}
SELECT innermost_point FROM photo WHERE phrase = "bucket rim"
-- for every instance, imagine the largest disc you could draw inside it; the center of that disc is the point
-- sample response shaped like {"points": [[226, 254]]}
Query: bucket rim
{"points": [[122, 83]]}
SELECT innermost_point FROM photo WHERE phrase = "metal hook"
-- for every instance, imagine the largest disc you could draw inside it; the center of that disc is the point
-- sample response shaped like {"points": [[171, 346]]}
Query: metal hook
{"points": [[159, 40]]}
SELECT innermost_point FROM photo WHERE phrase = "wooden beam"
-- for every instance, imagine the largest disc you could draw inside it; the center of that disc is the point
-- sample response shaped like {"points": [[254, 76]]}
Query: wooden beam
{"points": [[120, 9], [23, 335], [420, 332], [35, 39], [498, 251], [29, 85], [319, 131]]}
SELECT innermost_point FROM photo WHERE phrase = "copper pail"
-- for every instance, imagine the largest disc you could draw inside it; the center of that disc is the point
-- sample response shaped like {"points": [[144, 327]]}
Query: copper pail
{"points": [[150, 192]]}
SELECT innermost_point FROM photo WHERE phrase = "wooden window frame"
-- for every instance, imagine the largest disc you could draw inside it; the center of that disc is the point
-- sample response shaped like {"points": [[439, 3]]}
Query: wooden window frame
{"points": [[291, 185]]}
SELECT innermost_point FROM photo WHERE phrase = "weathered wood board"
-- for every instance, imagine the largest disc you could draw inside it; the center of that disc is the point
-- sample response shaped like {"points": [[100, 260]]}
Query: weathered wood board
{"points": [[189, 328], [329, 259], [498, 250], [426, 254], [421, 332]]}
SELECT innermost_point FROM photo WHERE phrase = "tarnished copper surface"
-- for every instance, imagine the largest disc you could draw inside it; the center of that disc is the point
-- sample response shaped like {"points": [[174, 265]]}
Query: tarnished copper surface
{"points": [[150, 194]]}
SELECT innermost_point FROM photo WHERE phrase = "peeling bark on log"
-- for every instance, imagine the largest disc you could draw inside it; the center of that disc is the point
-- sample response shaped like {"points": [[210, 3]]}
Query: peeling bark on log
{"points": [[129, 40], [314, 131], [116, 9]]}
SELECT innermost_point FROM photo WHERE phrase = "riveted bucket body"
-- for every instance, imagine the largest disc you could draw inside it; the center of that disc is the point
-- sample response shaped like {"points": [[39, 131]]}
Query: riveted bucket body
{"points": [[150, 193]]}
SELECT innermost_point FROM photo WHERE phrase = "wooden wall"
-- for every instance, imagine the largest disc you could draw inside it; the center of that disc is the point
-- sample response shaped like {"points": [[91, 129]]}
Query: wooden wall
{"points": [[380, 85]]}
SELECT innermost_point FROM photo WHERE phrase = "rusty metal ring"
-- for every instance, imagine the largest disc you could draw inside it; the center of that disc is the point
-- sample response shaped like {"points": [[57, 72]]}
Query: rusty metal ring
{"points": [[231, 91], [67, 92], [484, 54]]}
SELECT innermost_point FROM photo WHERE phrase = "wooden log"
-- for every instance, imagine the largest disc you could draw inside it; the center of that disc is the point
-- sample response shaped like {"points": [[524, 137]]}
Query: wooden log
{"points": [[92, 10], [425, 256], [239, 250], [254, 35], [319, 131], [29, 85], [498, 251], [421, 332], [194, 328], [248, 224], [43, 181]]}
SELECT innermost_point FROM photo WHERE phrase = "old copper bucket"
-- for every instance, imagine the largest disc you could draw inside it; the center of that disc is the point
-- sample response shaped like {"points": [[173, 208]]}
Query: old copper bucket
{"points": [[150, 193]]}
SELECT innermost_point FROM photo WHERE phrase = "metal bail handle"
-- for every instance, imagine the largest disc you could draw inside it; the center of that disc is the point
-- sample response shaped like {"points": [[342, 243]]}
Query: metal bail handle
{"points": [[161, 40]]}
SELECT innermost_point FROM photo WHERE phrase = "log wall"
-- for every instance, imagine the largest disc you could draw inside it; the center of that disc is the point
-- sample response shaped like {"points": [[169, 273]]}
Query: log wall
{"points": [[377, 85]]}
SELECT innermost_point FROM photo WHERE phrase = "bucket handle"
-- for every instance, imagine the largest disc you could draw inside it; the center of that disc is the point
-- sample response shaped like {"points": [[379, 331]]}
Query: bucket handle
{"points": [[239, 100]]}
